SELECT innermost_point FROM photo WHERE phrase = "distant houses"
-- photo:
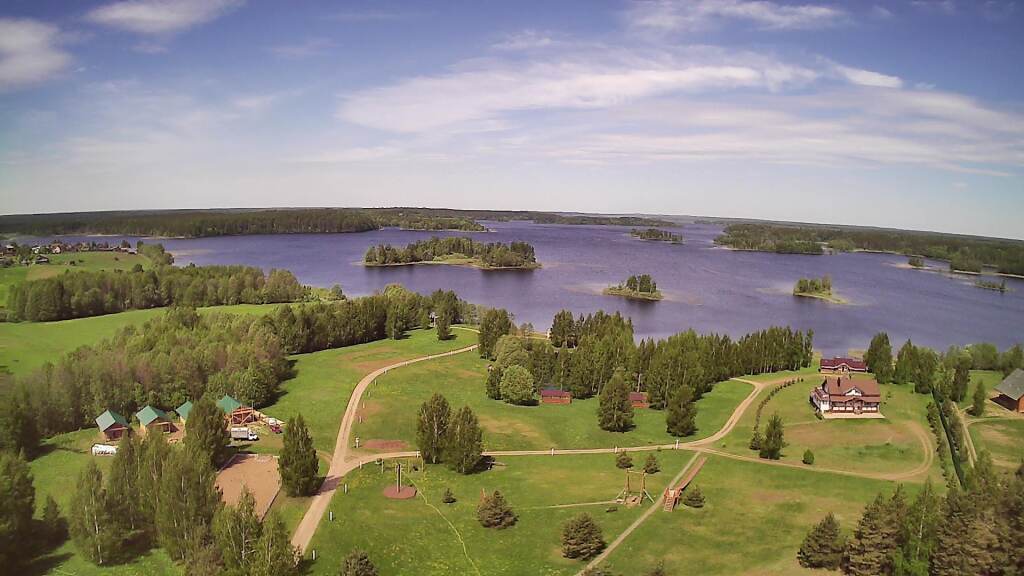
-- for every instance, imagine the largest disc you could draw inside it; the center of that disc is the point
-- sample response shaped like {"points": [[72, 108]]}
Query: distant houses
{"points": [[839, 364], [113, 426], [843, 395], [1011, 391], [555, 396]]}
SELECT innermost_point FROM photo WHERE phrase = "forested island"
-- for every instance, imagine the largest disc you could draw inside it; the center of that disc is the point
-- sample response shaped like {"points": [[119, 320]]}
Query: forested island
{"points": [[820, 288], [964, 253], [637, 287], [233, 222], [991, 285], [455, 250], [656, 235]]}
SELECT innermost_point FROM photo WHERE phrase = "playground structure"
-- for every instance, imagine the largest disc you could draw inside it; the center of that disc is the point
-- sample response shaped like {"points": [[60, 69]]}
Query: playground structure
{"points": [[631, 497], [673, 495]]}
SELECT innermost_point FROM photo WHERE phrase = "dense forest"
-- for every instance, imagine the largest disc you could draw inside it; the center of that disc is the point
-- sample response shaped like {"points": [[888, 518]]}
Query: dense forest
{"points": [[201, 223], [656, 234], [966, 253], [488, 255]]}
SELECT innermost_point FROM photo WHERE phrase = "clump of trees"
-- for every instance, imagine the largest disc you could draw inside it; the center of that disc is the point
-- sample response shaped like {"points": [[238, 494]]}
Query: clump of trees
{"points": [[821, 285], [773, 442], [453, 438], [491, 254], [656, 234], [641, 284]]}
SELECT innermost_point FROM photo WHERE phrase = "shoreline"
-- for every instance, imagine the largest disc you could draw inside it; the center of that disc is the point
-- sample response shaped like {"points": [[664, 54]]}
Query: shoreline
{"points": [[831, 299], [623, 293]]}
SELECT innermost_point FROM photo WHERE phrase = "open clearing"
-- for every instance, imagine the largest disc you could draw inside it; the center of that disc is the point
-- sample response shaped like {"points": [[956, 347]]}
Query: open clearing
{"points": [[60, 263], [1003, 438], [256, 472], [389, 411]]}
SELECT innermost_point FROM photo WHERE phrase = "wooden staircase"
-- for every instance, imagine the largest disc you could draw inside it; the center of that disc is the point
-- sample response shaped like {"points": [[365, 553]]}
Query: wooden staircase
{"points": [[672, 495]]}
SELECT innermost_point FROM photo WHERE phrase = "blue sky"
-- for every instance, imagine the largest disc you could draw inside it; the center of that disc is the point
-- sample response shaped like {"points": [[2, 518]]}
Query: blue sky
{"points": [[907, 114]]}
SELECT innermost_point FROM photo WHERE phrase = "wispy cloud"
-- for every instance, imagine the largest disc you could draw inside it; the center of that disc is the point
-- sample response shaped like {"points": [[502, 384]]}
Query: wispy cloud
{"points": [[941, 6], [30, 53], [676, 15], [304, 49], [369, 16], [526, 40], [868, 77], [160, 17]]}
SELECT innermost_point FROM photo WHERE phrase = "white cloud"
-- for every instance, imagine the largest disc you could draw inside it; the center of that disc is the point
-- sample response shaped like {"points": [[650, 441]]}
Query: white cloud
{"points": [[526, 40], [369, 16], [304, 49], [160, 17], [869, 78], [674, 15], [881, 13], [943, 6], [29, 53]]}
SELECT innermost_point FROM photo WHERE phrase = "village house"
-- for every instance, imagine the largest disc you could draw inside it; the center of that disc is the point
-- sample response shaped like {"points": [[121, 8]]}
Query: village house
{"points": [[1011, 391], [639, 400], [154, 420], [847, 396], [555, 396], [838, 364], [183, 411], [112, 425], [236, 413]]}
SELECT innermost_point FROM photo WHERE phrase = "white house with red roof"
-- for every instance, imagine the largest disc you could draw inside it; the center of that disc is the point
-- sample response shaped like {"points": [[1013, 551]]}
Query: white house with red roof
{"points": [[847, 397]]}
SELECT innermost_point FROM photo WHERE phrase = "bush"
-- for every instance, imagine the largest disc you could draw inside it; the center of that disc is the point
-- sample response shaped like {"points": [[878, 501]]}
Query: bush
{"points": [[623, 460], [448, 498], [808, 457], [582, 538], [694, 497], [494, 512]]}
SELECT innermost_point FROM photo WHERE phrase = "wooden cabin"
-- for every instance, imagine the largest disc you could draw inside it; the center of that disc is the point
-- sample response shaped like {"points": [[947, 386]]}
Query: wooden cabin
{"points": [[555, 396], [236, 413], [154, 420], [639, 400], [183, 411], [113, 426], [1011, 391]]}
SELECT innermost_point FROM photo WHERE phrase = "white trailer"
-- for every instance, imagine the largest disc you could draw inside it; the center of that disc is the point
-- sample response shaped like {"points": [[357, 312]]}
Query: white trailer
{"points": [[103, 450]]}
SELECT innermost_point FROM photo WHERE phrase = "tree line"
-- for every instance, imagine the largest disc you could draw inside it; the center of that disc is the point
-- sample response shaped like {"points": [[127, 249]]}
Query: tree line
{"points": [[963, 252], [642, 283], [491, 254]]}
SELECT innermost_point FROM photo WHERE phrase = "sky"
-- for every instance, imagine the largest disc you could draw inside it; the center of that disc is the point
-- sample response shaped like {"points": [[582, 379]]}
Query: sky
{"points": [[906, 114]]}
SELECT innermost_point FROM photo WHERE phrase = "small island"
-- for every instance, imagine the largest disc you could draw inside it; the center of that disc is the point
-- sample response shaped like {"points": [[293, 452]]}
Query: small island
{"points": [[455, 251], [916, 262], [638, 287], [820, 288], [656, 235], [991, 285]]}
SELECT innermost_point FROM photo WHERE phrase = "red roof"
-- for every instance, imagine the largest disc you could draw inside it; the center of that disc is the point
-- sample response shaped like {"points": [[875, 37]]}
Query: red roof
{"points": [[638, 396], [852, 363], [555, 393], [838, 389]]}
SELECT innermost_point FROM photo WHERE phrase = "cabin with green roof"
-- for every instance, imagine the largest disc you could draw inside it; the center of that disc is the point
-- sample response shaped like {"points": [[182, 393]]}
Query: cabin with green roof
{"points": [[183, 411], [236, 413], [154, 419], [113, 425]]}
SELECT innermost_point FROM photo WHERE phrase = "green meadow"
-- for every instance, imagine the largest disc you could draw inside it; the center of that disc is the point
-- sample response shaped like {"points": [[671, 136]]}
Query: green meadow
{"points": [[60, 263]]}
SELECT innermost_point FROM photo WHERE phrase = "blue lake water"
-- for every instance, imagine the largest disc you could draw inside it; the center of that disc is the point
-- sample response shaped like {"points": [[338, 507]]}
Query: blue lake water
{"points": [[706, 288]]}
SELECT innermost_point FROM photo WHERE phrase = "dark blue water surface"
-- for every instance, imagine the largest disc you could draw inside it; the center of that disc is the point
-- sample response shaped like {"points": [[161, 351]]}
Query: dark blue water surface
{"points": [[706, 288]]}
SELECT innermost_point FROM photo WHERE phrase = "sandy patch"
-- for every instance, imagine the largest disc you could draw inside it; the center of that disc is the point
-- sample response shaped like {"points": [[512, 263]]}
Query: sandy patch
{"points": [[379, 445], [257, 472]]}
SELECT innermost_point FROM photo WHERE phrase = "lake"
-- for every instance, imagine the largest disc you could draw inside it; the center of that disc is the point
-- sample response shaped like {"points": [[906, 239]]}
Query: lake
{"points": [[706, 288]]}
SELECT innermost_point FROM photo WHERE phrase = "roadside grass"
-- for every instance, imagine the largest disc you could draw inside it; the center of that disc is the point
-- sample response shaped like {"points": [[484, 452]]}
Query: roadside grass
{"points": [[414, 536], [390, 408], [753, 521], [870, 445], [1002, 438]]}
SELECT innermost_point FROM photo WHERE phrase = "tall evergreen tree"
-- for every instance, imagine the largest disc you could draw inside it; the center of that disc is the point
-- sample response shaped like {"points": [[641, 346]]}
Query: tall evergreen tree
{"points": [[906, 359], [95, 531], [823, 545], [879, 358], [54, 526], [17, 504], [868, 550], [207, 432], [494, 512], [615, 411], [979, 399], [651, 465], [236, 531], [123, 488], [357, 563], [274, 554], [443, 324], [154, 453], [773, 442], [298, 462], [188, 501], [966, 541], [681, 416], [463, 447], [582, 537], [432, 428]]}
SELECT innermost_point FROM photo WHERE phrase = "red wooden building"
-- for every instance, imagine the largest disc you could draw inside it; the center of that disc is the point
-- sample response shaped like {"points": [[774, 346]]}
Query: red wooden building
{"points": [[838, 364], [639, 400], [555, 396]]}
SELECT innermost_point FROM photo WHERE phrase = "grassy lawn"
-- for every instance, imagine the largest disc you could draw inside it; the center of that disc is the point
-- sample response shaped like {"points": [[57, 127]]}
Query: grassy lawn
{"points": [[889, 445], [324, 380], [389, 412], [990, 378], [60, 263], [415, 537], [753, 522], [1002, 438]]}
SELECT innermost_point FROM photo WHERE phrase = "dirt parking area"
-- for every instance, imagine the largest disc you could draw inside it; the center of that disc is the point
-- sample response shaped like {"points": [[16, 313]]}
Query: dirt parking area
{"points": [[257, 472]]}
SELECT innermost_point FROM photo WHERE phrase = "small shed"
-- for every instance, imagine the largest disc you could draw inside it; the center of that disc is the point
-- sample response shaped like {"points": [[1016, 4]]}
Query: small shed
{"points": [[154, 419], [639, 400], [1011, 391], [236, 413], [113, 425], [555, 396], [183, 411]]}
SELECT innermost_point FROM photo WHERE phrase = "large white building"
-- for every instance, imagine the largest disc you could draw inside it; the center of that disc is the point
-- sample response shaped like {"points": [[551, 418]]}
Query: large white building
{"points": [[846, 395]]}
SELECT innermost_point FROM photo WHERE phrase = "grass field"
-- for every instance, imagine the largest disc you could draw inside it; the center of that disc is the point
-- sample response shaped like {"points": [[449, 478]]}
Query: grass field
{"points": [[1003, 438], [423, 536], [60, 263], [389, 412], [753, 522], [888, 446]]}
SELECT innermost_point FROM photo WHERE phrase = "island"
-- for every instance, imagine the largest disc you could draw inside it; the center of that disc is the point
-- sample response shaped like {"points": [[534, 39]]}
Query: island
{"points": [[991, 285], [656, 235], [637, 287], [820, 288], [916, 262], [455, 251]]}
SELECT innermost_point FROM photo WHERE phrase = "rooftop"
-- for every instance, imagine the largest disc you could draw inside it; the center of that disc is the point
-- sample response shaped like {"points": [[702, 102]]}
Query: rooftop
{"points": [[149, 414], [109, 418], [1012, 385]]}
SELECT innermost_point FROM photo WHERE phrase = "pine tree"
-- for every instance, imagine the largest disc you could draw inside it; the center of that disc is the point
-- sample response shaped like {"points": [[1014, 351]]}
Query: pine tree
{"points": [[917, 534], [694, 497], [237, 530], [298, 463], [773, 443], [17, 504], [623, 460], [54, 526], [808, 457], [879, 358], [615, 411], [432, 428], [463, 447], [449, 497], [905, 361], [206, 431], [123, 485], [582, 537], [93, 528], [681, 417], [651, 465], [357, 563], [274, 554], [823, 545], [868, 551], [188, 501], [979, 399], [756, 440], [493, 385], [443, 323], [494, 512]]}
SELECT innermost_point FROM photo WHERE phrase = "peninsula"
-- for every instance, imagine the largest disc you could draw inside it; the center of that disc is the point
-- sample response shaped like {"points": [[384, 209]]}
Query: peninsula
{"points": [[456, 251], [637, 287]]}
